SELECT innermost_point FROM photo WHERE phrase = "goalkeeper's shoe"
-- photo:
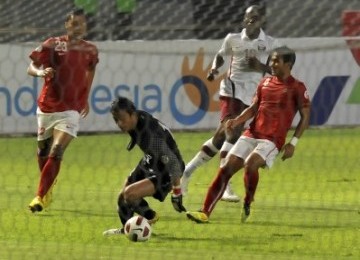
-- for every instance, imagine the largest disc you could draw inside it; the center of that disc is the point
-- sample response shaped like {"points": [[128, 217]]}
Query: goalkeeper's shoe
{"points": [[245, 213], [197, 216], [154, 219], [36, 205], [114, 232]]}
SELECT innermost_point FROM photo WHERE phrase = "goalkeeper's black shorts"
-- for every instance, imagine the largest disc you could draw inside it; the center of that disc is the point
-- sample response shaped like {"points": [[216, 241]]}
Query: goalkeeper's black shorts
{"points": [[161, 180]]}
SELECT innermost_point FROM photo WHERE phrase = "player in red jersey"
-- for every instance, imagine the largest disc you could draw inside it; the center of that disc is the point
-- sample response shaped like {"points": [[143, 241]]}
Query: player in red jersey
{"points": [[278, 98], [67, 64]]}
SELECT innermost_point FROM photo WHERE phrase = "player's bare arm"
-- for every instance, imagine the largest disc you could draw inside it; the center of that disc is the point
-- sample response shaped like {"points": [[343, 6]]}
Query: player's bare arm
{"points": [[289, 148], [248, 113], [218, 62], [90, 77], [256, 65]]}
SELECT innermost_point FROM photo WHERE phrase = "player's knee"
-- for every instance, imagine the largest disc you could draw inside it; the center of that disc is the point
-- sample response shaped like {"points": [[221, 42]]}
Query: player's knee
{"points": [[232, 164], [129, 195], [43, 152], [251, 167], [57, 151], [121, 199], [44, 147]]}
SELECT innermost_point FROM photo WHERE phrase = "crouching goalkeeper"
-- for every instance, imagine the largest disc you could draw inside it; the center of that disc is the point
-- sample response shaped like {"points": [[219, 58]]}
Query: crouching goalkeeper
{"points": [[158, 172]]}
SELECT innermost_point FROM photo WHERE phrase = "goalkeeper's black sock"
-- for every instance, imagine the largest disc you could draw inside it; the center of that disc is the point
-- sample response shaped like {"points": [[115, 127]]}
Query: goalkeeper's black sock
{"points": [[149, 214], [125, 211], [144, 210]]}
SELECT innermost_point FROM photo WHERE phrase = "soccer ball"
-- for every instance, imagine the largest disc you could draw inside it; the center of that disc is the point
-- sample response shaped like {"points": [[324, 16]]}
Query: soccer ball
{"points": [[137, 229]]}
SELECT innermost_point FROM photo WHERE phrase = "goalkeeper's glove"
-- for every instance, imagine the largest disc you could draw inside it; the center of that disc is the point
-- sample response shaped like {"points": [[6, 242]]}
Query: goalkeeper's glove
{"points": [[176, 200]]}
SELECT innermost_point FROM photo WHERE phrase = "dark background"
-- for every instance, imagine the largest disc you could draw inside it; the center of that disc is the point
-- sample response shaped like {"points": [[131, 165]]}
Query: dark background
{"points": [[36, 20]]}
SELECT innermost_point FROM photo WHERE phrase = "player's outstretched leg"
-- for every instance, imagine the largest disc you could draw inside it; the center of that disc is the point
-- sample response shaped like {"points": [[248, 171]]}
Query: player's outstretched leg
{"points": [[214, 193], [229, 195], [251, 179], [208, 151], [125, 212]]}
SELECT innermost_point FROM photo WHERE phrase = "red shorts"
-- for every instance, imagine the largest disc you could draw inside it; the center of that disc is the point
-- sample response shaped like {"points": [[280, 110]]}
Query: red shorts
{"points": [[230, 107]]}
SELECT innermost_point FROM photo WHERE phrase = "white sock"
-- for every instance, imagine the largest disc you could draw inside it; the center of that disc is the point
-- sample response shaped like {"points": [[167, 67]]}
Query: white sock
{"points": [[225, 148], [200, 158]]}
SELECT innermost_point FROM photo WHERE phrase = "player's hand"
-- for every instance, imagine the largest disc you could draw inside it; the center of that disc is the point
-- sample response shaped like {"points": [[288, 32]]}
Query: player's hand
{"points": [[47, 73], [177, 203], [230, 125], [288, 151], [211, 74]]}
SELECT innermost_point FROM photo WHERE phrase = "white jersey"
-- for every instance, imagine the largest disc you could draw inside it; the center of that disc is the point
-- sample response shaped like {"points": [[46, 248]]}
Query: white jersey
{"points": [[239, 47]]}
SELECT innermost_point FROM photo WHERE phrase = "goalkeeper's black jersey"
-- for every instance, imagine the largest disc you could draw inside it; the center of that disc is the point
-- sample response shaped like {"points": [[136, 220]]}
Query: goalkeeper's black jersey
{"points": [[156, 141]]}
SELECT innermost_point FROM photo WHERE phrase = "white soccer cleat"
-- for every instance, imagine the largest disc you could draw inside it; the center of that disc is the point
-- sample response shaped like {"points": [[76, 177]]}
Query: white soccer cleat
{"points": [[113, 232], [229, 195]]}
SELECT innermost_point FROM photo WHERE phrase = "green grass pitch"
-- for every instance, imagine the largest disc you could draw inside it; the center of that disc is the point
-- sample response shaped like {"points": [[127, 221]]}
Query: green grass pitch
{"points": [[307, 207]]}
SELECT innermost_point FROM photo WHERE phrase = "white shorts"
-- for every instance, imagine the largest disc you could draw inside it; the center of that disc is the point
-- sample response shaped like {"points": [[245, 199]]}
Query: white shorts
{"points": [[246, 145], [67, 121], [244, 89]]}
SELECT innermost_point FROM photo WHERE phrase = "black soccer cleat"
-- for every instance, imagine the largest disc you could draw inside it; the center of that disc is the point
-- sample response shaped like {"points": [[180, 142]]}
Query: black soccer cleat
{"points": [[245, 213]]}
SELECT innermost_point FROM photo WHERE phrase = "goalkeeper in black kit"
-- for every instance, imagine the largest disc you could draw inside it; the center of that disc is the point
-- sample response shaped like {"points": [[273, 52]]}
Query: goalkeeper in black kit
{"points": [[157, 173]]}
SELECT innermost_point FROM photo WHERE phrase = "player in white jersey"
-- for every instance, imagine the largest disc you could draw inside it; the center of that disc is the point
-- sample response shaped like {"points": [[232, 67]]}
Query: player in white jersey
{"points": [[248, 51]]}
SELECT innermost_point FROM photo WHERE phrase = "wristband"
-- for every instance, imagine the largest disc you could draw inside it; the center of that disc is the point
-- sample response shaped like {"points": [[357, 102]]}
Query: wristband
{"points": [[294, 141], [177, 190]]}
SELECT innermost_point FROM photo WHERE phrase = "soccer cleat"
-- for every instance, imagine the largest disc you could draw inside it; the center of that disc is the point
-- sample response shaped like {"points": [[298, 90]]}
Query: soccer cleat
{"points": [[197, 216], [48, 198], [229, 195], [114, 232], [245, 213], [36, 204], [154, 219]]}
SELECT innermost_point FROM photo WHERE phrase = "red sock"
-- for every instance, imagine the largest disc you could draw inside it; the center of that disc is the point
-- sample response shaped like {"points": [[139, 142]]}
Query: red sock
{"points": [[42, 161], [251, 180], [48, 175], [215, 191]]}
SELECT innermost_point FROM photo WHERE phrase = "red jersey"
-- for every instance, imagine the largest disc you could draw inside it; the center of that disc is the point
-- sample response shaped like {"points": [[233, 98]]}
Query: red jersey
{"points": [[68, 89], [278, 102]]}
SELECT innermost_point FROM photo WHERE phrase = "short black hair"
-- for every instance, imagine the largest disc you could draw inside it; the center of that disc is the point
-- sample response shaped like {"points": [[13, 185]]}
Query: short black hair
{"points": [[288, 55], [75, 12], [259, 8], [123, 103]]}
